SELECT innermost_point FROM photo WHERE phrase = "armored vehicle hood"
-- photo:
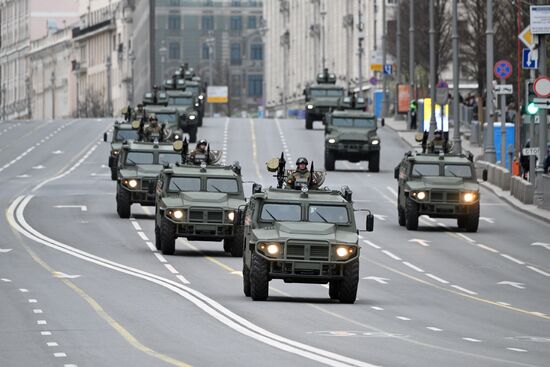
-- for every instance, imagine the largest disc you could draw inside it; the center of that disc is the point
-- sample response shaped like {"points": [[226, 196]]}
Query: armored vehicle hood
{"points": [[448, 183], [203, 199], [324, 101], [144, 170], [305, 231], [352, 133]]}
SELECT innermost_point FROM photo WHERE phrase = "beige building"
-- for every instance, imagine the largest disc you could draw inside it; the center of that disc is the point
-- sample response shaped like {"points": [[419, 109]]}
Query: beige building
{"points": [[314, 28]]}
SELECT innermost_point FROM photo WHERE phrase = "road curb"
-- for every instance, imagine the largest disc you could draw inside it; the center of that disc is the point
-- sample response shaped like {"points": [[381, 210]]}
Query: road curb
{"points": [[512, 203]]}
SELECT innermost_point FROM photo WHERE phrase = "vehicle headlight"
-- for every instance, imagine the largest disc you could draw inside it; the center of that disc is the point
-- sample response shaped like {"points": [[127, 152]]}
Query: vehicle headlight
{"points": [[272, 249], [176, 214], [192, 117], [332, 141], [176, 136], [230, 216], [201, 97], [309, 106], [343, 251], [196, 105], [375, 142], [421, 195], [131, 183], [114, 152], [469, 197]]}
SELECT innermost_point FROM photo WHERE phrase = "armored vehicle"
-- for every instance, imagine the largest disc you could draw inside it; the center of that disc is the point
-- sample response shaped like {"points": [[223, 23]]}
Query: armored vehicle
{"points": [[187, 106], [196, 87], [122, 131], [351, 134], [321, 98], [301, 236], [199, 203], [439, 186], [139, 165]]}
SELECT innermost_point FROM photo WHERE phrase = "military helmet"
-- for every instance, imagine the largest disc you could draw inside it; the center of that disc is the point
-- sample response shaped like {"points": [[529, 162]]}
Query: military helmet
{"points": [[202, 142], [301, 160], [153, 117]]}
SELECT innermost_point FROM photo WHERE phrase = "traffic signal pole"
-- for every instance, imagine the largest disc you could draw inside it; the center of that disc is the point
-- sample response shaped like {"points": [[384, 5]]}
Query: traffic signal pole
{"points": [[543, 126]]}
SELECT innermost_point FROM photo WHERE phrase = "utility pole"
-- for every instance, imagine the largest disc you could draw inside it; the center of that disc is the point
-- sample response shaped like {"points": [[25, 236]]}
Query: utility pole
{"points": [[210, 42], [398, 44], [52, 80], [29, 96], [411, 62], [163, 52], [109, 87], [457, 143], [285, 43], [3, 101], [315, 31], [348, 25], [323, 36], [360, 49], [384, 76], [433, 124], [532, 158], [132, 57], [490, 153], [543, 125]]}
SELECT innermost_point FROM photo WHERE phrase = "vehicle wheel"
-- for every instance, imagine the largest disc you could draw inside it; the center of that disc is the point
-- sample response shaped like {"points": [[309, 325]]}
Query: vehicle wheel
{"points": [[227, 244], [401, 214], [193, 135], [472, 220], [237, 247], [157, 237], [348, 286], [411, 215], [309, 123], [123, 203], [259, 278], [374, 162], [334, 289], [199, 121], [330, 162], [114, 175], [246, 280], [167, 237], [461, 222]]}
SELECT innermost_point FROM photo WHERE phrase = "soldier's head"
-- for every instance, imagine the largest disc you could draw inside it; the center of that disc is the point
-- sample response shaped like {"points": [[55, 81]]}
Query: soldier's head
{"points": [[301, 164], [201, 145], [140, 107], [438, 134], [153, 120]]}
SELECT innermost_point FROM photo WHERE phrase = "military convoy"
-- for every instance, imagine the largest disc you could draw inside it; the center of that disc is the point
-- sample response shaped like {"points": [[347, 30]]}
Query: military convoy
{"points": [[122, 131], [321, 98]]}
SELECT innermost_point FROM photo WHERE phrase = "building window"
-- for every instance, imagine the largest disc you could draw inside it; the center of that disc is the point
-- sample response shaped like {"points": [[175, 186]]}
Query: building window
{"points": [[209, 3], [205, 51], [174, 51], [174, 2], [235, 54], [257, 52], [174, 22], [252, 22], [253, 3], [236, 23], [207, 22], [255, 85], [236, 3]]}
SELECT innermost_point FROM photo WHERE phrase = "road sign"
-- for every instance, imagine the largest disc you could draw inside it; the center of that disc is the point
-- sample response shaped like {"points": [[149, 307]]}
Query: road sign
{"points": [[376, 67], [441, 95], [529, 59], [504, 89], [542, 103], [540, 19], [527, 37], [542, 86], [442, 84], [502, 69], [373, 80], [217, 94], [388, 68], [530, 151]]}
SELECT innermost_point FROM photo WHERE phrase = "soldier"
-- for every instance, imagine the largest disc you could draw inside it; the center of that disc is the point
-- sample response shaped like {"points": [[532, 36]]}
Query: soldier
{"points": [[198, 154], [154, 129], [439, 143], [300, 177], [139, 113]]}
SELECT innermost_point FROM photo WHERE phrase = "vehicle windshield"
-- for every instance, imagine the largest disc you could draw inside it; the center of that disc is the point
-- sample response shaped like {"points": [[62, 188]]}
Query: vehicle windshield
{"points": [[226, 185], [281, 212], [133, 158], [369, 123], [171, 158], [180, 101], [336, 214], [326, 92], [166, 117], [458, 170], [425, 169], [183, 183], [192, 89], [122, 135]]}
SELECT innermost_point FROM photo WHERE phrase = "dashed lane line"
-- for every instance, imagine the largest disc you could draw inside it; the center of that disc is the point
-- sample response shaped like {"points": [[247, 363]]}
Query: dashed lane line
{"points": [[436, 278]]}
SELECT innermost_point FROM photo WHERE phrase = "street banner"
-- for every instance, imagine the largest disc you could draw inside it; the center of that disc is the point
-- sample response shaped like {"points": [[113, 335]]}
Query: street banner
{"points": [[217, 94], [442, 120], [403, 98]]}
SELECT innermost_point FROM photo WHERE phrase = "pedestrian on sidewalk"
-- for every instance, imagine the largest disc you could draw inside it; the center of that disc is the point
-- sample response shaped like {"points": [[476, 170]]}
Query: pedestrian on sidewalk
{"points": [[412, 108]]}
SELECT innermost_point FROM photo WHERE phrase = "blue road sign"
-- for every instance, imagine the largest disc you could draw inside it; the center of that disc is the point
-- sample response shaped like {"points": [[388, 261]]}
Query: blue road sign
{"points": [[388, 69], [527, 61], [502, 69]]}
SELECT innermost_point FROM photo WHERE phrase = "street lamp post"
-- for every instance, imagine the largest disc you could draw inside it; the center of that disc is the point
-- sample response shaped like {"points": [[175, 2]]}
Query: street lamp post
{"points": [[457, 145], [433, 124], [108, 65], [360, 49], [210, 43], [4, 101], [490, 153], [52, 81], [384, 75], [163, 52], [411, 59], [543, 126], [323, 37], [131, 85]]}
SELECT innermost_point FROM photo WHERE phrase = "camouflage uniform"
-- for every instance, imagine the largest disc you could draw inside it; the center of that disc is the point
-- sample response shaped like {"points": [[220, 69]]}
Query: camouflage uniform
{"points": [[299, 177], [197, 154], [151, 130]]}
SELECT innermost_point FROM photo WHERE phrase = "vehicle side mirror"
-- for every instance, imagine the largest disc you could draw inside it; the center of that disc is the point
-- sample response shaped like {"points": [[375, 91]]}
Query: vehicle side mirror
{"points": [[370, 222], [151, 187], [105, 137], [396, 173], [484, 175], [256, 188]]}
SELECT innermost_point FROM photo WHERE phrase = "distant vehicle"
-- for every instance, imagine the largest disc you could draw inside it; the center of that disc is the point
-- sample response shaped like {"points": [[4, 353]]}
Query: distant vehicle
{"points": [[122, 131], [188, 110], [321, 98], [439, 186]]}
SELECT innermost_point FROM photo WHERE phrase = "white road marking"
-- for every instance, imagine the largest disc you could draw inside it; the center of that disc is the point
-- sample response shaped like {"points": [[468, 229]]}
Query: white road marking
{"points": [[371, 244], [485, 247], [517, 350], [380, 217], [143, 236], [433, 328], [512, 284], [37, 310], [136, 225], [6, 280], [160, 257], [392, 255], [151, 246], [58, 152], [5, 250], [171, 269], [414, 267], [23, 176], [390, 189], [542, 244], [39, 167], [23, 290], [420, 242], [45, 333], [61, 275], [52, 344], [462, 289], [182, 279], [542, 272], [60, 355], [377, 279], [512, 259], [82, 208], [437, 278], [377, 308], [41, 322], [465, 237], [32, 300], [472, 340], [488, 220], [402, 318], [503, 303], [538, 313]]}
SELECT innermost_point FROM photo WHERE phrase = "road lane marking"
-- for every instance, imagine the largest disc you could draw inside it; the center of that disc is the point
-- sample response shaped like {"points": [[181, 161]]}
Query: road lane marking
{"points": [[465, 237], [37, 310], [371, 244], [512, 284], [171, 269], [143, 236], [538, 271], [182, 279], [5, 250], [41, 322], [23, 290], [463, 289], [151, 246], [420, 242], [437, 278], [542, 244], [414, 267], [402, 318], [392, 255], [377, 308], [52, 344], [390, 189], [512, 259], [136, 225], [161, 258], [255, 149], [377, 279], [517, 350], [45, 333], [6, 280], [487, 248], [32, 300], [59, 274], [433, 328], [472, 340]]}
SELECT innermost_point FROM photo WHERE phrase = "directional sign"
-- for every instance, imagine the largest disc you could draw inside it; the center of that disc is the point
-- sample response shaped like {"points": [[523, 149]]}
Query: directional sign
{"points": [[542, 103], [502, 69], [542, 86], [376, 67], [388, 68], [531, 151], [529, 59], [527, 37], [540, 19], [504, 89]]}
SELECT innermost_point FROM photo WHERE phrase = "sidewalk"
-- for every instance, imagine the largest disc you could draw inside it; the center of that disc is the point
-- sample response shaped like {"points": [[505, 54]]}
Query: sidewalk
{"points": [[400, 127]]}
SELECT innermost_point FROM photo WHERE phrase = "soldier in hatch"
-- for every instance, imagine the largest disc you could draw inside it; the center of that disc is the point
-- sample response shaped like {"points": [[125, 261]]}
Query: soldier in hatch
{"points": [[300, 177]]}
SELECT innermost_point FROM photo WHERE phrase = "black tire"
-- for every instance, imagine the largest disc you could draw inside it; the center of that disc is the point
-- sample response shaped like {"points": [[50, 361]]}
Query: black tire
{"points": [[167, 237], [374, 162], [123, 203], [227, 244], [309, 123], [461, 222], [411, 215], [237, 246], [199, 121], [246, 280], [193, 135], [259, 278], [157, 237], [330, 162], [114, 174], [334, 289], [401, 214], [472, 220], [348, 286]]}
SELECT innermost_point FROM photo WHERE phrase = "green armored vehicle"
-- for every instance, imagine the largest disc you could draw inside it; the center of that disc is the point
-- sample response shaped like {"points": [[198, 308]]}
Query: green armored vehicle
{"points": [[175, 122], [122, 131], [439, 186], [351, 134], [187, 106], [301, 236], [139, 165], [195, 87], [199, 202], [321, 98]]}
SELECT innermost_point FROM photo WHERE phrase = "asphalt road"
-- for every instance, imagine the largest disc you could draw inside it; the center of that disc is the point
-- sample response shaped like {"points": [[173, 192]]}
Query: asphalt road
{"points": [[81, 287]]}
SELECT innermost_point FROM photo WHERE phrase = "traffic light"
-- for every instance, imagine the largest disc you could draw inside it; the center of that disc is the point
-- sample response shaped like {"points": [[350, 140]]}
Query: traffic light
{"points": [[531, 107]]}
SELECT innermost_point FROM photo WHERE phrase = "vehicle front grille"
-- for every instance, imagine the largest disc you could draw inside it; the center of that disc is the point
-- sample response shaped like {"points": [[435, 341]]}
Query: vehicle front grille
{"points": [[195, 215], [444, 196], [205, 216], [307, 251], [145, 183], [352, 145]]}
